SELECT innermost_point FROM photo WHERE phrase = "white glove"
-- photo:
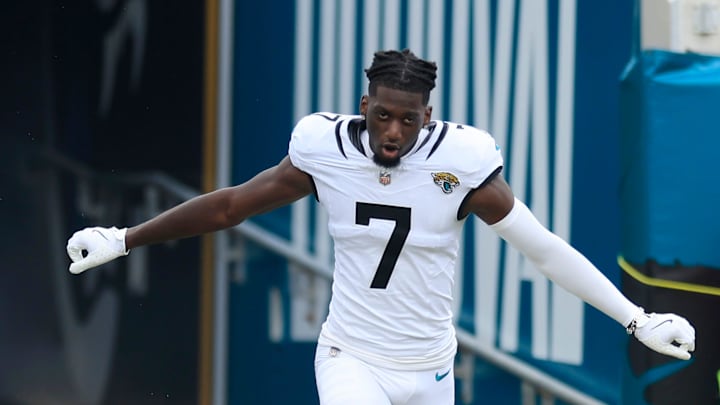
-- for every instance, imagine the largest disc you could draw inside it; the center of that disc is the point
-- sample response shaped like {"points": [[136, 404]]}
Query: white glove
{"points": [[101, 245], [667, 334]]}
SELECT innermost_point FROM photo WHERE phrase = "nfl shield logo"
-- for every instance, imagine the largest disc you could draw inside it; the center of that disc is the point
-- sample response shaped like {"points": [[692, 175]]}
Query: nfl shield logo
{"points": [[384, 178]]}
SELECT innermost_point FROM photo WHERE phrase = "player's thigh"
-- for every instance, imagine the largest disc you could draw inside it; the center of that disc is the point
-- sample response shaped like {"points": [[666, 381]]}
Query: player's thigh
{"points": [[345, 380]]}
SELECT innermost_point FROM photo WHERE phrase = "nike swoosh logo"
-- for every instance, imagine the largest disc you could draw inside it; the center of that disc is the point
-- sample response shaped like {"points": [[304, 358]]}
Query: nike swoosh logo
{"points": [[658, 325], [100, 233], [439, 377]]}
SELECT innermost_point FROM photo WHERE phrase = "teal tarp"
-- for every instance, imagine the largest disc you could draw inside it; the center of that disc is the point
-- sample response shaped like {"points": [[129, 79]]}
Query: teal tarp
{"points": [[670, 154]]}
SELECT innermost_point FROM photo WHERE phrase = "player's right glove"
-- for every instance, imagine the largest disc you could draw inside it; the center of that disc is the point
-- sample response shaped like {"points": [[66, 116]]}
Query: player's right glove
{"points": [[668, 334], [101, 245]]}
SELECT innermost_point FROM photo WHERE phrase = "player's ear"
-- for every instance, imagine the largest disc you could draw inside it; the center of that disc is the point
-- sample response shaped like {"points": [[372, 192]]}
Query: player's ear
{"points": [[363, 105], [428, 115]]}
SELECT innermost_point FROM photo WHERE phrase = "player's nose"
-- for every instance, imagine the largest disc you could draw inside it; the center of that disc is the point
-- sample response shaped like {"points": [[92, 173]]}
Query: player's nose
{"points": [[393, 132]]}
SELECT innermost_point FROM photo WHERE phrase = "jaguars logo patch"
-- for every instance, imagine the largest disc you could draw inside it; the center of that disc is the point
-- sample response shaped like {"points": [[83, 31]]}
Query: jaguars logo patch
{"points": [[446, 181]]}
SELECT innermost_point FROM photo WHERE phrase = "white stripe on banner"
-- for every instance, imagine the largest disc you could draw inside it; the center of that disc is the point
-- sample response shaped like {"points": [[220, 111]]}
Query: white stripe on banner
{"points": [[481, 61], [328, 101], [371, 35], [487, 245], [327, 73], [540, 170], [303, 58], [565, 347], [435, 27], [459, 79], [509, 76], [515, 271], [391, 22], [347, 103], [521, 142], [416, 26], [458, 106]]}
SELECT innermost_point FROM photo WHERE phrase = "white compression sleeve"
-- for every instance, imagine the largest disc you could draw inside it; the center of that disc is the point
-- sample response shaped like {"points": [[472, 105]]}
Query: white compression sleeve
{"points": [[562, 264]]}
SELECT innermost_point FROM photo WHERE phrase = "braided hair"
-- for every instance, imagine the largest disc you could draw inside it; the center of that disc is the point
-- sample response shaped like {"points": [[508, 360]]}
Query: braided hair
{"points": [[401, 70]]}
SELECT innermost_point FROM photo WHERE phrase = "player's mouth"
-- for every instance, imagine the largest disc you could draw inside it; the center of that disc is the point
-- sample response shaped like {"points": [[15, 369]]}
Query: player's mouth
{"points": [[390, 151]]}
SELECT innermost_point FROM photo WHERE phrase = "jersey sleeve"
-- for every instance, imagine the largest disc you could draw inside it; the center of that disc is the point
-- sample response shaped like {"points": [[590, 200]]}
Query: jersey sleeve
{"points": [[480, 156], [304, 141]]}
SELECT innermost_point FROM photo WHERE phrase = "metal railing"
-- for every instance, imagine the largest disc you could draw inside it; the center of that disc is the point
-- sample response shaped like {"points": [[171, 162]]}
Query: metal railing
{"points": [[535, 382]]}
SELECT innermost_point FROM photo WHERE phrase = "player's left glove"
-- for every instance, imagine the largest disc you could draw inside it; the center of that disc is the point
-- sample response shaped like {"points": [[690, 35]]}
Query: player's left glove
{"points": [[667, 334], [101, 245]]}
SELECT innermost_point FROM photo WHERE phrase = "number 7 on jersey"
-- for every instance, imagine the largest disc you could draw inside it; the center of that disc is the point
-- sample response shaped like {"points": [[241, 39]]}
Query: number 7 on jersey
{"points": [[401, 216]]}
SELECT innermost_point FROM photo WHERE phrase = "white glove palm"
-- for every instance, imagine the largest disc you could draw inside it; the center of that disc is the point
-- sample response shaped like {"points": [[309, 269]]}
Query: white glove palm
{"points": [[101, 244], [667, 334]]}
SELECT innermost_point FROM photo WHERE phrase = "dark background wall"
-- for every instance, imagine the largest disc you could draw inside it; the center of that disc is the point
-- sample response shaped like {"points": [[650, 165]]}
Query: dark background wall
{"points": [[113, 336]]}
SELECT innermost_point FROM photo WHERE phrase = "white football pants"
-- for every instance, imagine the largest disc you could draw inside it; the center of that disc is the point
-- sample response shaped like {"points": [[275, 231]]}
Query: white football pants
{"points": [[343, 379]]}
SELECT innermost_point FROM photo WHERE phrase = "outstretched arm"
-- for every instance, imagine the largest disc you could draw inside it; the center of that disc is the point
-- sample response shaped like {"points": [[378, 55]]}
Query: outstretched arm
{"points": [[220, 209], [495, 204], [226, 207]]}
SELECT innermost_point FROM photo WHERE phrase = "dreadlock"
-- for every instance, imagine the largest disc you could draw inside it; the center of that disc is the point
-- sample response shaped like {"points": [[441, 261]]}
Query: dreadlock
{"points": [[401, 70]]}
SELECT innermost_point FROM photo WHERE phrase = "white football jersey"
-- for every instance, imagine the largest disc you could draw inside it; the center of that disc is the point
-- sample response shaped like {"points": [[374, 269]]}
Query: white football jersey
{"points": [[396, 233]]}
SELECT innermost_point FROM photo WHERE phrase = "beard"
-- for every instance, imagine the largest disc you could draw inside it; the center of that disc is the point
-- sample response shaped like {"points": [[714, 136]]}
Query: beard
{"points": [[386, 163]]}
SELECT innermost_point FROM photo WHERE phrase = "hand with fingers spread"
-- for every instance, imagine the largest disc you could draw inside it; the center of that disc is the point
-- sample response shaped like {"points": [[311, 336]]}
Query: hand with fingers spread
{"points": [[667, 334], [101, 245]]}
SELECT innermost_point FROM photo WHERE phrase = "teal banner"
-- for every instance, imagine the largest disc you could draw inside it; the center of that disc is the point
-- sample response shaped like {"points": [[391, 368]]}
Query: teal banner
{"points": [[538, 75]]}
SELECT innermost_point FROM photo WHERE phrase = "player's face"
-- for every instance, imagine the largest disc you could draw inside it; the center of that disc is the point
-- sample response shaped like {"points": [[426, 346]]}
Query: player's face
{"points": [[394, 120]]}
